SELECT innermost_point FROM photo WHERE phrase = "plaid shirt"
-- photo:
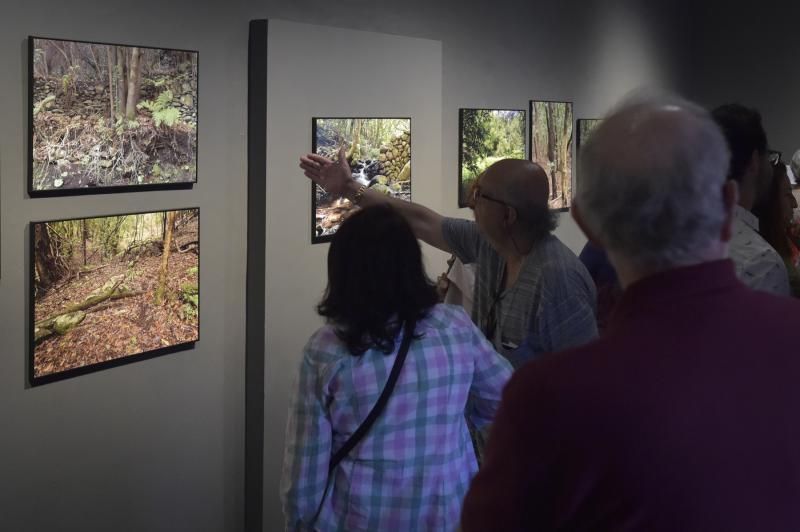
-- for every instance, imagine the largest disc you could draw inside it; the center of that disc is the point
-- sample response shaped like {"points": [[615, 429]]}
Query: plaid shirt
{"points": [[552, 305], [412, 470]]}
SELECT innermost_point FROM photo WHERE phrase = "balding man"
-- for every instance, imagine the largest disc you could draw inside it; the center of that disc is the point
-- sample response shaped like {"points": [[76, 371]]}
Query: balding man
{"points": [[683, 415], [532, 294]]}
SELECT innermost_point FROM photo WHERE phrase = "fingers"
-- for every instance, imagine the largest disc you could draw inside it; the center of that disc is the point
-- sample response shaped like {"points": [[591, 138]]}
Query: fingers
{"points": [[343, 159], [319, 159]]}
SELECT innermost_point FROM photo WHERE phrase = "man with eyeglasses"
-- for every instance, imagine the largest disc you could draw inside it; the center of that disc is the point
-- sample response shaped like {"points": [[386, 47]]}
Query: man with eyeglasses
{"points": [[532, 295], [758, 265]]}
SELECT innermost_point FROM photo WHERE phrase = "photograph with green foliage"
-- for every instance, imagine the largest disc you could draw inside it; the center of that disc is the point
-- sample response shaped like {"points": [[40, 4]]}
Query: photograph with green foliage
{"points": [[551, 138], [378, 151], [105, 115], [104, 289], [485, 137]]}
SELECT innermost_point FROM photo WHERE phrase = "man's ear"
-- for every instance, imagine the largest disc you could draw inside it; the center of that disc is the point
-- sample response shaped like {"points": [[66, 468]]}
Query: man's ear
{"points": [[511, 215], [730, 198], [575, 211]]}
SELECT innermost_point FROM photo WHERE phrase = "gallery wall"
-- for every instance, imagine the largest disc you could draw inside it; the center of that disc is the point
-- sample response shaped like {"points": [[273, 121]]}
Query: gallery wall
{"points": [[748, 56], [498, 54], [157, 444]]}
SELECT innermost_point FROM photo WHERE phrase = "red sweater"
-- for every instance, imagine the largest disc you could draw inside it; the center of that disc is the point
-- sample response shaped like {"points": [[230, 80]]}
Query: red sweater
{"points": [[685, 416]]}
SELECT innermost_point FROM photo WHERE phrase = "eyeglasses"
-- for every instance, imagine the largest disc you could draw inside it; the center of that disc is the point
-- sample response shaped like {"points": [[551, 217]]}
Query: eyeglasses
{"points": [[476, 193], [774, 157]]}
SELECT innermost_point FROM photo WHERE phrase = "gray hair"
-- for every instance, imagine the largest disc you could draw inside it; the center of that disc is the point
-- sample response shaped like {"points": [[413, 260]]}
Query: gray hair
{"points": [[651, 181]]}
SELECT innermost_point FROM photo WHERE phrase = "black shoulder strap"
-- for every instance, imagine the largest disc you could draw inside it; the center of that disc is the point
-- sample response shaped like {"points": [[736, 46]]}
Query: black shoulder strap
{"points": [[376, 411]]}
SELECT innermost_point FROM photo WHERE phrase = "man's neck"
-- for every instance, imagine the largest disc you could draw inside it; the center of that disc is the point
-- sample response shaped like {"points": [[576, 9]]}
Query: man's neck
{"points": [[629, 274]]}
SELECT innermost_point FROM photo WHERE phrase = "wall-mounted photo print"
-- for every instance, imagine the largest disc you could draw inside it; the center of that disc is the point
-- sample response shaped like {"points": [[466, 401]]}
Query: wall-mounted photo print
{"points": [[485, 137], [379, 153], [107, 117], [551, 147], [111, 290]]}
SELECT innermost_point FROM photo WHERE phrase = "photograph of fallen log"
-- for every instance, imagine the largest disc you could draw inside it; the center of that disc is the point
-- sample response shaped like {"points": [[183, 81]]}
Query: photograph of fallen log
{"points": [[111, 290], [111, 117]]}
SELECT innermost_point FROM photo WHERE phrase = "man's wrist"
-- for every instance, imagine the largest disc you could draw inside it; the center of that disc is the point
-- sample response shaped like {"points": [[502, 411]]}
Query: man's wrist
{"points": [[351, 188]]}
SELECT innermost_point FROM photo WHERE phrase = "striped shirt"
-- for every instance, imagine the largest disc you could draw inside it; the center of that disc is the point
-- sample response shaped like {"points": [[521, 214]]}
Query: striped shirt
{"points": [[551, 306], [412, 470]]}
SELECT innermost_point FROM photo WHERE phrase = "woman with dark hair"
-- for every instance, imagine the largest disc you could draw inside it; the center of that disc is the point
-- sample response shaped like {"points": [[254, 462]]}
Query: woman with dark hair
{"points": [[410, 470], [775, 216]]}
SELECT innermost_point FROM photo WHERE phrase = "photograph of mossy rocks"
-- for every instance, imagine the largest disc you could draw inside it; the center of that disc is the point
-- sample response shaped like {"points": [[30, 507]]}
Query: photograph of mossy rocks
{"points": [[485, 137], [106, 290], [378, 151], [105, 116]]}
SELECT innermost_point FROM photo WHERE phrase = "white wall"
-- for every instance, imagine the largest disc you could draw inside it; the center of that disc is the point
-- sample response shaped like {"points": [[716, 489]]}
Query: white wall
{"points": [[158, 444], [494, 54]]}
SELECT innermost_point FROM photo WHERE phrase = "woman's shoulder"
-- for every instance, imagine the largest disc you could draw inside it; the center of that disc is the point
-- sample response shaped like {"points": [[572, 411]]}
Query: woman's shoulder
{"points": [[444, 316], [324, 345]]}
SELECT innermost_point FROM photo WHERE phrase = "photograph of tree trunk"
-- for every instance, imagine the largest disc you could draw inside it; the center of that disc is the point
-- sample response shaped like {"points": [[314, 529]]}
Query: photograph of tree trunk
{"points": [[551, 147], [486, 136], [104, 115], [379, 153], [105, 289]]}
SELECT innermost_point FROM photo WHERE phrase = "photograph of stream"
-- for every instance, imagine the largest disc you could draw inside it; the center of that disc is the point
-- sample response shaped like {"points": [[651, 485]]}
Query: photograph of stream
{"points": [[378, 151]]}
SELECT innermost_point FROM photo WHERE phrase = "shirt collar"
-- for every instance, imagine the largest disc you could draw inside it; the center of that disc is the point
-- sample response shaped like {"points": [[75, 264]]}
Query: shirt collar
{"points": [[665, 288], [746, 217]]}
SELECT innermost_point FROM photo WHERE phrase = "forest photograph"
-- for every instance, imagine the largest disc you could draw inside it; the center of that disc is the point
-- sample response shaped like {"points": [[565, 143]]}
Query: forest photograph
{"points": [[485, 137], [551, 136], [104, 115], [379, 153], [108, 288]]}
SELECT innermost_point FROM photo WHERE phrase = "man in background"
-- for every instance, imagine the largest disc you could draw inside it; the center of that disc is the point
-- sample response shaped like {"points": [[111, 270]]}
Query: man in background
{"points": [[529, 287], [758, 265]]}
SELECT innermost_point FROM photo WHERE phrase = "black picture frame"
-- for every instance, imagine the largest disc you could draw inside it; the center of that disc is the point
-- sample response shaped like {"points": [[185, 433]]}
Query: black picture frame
{"points": [[117, 362], [34, 193], [319, 239], [462, 201], [532, 155]]}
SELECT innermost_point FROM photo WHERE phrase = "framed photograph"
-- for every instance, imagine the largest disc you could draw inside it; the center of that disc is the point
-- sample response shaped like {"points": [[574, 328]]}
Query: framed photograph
{"points": [[110, 118], [551, 136], [111, 290], [379, 153], [484, 137]]}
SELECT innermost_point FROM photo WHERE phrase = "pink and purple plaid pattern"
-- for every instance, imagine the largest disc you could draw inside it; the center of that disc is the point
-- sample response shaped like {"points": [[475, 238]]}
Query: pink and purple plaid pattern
{"points": [[412, 470]]}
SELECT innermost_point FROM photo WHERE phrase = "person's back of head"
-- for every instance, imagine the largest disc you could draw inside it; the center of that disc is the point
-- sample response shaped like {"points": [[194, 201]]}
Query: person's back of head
{"points": [[653, 176], [376, 279], [747, 141]]}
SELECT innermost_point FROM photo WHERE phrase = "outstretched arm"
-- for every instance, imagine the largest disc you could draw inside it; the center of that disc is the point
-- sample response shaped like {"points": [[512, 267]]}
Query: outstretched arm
{"points": [[335, 177]]}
